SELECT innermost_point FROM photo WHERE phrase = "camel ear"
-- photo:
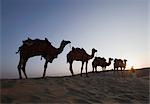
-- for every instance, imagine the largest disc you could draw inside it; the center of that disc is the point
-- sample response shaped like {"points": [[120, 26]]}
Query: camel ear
{"points": [[29, 38], [46, 39]]}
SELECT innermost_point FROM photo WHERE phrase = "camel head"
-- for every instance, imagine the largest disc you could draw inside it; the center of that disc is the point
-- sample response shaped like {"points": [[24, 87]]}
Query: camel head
{"points": [[94, 50], [64, 42], [110, 59], [125, 61], [62, 45]]}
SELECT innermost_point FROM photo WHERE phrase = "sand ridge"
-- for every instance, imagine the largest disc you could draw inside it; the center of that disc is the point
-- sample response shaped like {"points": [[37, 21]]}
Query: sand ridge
{"points": [[101, 88]]}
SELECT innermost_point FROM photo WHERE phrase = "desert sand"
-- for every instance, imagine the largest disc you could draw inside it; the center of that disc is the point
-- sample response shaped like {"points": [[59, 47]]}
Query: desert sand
{"points": [[102, 88]]}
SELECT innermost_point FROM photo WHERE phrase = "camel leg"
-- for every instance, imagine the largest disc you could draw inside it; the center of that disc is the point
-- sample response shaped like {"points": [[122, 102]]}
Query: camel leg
{"points": [[82, 68], [19, 68], [71, 68], [96, 69], [102, 68], [45, 67], [86, 68], [122, 72], [114, 71], [93, 68], [23, 69]]}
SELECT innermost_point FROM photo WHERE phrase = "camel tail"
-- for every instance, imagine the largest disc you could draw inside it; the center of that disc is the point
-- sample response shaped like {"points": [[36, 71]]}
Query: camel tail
{"points": [[18, 51]]}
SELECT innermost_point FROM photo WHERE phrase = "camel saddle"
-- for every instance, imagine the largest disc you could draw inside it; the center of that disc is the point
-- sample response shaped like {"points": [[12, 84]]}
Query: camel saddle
{"points": [[78, 50], [30, 42]]}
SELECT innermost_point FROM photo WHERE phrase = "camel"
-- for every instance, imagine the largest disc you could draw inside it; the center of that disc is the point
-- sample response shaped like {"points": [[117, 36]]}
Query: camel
{"points": [[79, 54], [124, 64], [98, 61], [37, 47], [119, 63]]}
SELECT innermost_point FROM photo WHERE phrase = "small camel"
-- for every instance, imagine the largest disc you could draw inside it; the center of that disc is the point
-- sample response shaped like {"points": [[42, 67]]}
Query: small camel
{"points": [[37, 47], [124, 64], [79, 54], [119, 63], [98, 61]]}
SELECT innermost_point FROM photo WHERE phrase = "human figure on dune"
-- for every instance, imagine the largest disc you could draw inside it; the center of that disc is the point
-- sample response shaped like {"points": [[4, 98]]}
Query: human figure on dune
{"points": [[37, 47], [78, 54], [133, 72]]}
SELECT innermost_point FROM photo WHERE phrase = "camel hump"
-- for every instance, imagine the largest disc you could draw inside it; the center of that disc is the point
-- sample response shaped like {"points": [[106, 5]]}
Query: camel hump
{"points": [[103, 59], [73, 48], [79, 50], [30, 42], [97, 58], [46, 40]]}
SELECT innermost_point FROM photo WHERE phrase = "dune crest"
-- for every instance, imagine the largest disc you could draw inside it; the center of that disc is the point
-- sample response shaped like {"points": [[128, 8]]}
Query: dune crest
{"points": [[97, 88]]}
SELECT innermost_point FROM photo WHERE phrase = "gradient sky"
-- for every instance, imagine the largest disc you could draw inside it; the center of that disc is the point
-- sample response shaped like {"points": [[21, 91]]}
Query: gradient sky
{"points": [[116, 28]]}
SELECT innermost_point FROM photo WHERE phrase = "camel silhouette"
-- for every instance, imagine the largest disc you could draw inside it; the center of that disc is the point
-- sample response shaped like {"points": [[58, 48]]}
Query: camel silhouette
{"points": [[119, 63], [37, 47], [79, 54], [98, 61]]}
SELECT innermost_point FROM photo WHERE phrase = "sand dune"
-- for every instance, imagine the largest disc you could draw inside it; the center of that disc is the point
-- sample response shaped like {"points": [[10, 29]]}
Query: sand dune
{"points": [[102, 88]]}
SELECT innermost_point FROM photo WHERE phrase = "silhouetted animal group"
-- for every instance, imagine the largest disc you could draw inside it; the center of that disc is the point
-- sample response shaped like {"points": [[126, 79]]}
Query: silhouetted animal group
{"points": [[43, 48]]}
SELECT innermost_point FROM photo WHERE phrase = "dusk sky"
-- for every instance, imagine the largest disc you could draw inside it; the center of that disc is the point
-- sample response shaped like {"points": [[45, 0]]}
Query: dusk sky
{"points": [[116, 28]]}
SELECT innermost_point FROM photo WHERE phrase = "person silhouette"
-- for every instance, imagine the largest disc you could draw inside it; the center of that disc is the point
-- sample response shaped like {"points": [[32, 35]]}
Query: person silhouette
{"points": [[133, 72]]}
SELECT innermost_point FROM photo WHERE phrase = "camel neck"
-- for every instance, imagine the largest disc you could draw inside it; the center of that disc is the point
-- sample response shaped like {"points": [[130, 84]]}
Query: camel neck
{"points": [[60, 49], [109, 62], [125, 63], [92, 55]]}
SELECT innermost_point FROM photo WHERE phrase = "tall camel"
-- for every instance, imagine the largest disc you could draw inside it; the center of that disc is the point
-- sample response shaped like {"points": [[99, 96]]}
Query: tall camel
{"points": [[37, 47], [98, 61], [79, 54]]}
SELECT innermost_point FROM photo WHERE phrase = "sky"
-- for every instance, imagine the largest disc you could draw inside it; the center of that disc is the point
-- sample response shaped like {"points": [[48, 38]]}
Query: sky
{"points": [[116, 28]]}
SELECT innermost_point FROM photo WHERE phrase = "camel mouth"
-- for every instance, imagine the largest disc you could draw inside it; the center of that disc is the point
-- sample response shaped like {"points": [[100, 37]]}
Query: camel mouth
{"points": [[69, 42]]}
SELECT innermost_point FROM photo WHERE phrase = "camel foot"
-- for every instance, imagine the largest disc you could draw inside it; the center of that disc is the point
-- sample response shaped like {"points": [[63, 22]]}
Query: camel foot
{"points": [[92, 71], [43, 77]]}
